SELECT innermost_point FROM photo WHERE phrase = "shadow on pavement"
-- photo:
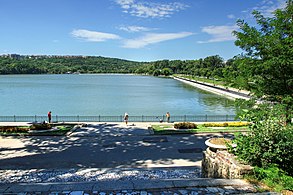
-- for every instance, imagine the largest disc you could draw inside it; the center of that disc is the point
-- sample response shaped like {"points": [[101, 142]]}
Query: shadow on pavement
{"points": [[102, 146]]}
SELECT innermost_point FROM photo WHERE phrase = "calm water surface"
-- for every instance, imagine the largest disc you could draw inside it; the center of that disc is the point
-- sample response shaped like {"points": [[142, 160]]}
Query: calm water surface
{"points": [[111, 95]]}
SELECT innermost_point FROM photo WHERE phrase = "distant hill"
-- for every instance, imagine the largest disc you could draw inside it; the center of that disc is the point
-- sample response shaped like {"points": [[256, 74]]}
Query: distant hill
{"points": [[16, 64]]}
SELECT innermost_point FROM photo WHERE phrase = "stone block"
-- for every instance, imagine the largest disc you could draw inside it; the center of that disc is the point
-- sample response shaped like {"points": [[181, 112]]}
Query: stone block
{"points": [[113, 185], [18, 188], [72, 187], [151, 184]]}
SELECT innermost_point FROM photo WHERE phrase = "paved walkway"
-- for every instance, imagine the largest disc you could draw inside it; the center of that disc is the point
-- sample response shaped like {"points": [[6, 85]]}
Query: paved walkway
{"points": [[103, 145]]}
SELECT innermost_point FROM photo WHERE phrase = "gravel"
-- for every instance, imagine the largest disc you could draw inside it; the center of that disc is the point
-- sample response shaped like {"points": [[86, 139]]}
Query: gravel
{"points": [[94, 174]]}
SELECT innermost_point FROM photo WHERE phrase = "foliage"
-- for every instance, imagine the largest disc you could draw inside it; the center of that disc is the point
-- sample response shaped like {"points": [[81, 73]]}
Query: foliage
{"points": [[13, 129], [238, 124], [215, 124], [269, 140], [64, 64], [274, 177], [185, 125], [268, 62], [41, 126], [268, 71], [227, 124]]}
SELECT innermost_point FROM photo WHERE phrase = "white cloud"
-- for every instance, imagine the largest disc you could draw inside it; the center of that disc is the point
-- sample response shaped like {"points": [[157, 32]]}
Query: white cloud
{"points": [[230, 16], [135, 28], [267, 7], [219, 33], [150, 10], [152, 38], [93, 36]]}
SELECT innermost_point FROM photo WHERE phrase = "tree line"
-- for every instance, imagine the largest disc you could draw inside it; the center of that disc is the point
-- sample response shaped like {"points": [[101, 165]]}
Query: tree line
{"points": [[210, 67]]}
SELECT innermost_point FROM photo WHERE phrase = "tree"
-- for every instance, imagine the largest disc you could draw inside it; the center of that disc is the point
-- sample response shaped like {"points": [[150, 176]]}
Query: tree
{"points": [[269, 53], [268, 67], [166, 72]]}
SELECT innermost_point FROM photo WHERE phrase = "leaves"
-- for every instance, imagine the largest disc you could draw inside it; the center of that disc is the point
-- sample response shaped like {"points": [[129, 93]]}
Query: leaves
{"points": [[268, 61]]}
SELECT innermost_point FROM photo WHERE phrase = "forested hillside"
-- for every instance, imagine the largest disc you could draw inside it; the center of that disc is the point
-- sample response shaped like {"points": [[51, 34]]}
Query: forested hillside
{"points": [[65, 64], [210, 67]]}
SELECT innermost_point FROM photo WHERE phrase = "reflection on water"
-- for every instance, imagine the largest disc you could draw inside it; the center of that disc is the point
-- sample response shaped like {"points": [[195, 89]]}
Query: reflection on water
{"points": [[105, 95]]}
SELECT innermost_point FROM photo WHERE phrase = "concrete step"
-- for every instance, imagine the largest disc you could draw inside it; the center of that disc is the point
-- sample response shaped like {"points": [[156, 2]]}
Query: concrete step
{"points": [[212, 186]]}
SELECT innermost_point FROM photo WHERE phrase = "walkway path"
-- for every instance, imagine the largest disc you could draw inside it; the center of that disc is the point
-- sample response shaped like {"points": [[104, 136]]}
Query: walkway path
{"points": [[228, 92], [102, 146]]}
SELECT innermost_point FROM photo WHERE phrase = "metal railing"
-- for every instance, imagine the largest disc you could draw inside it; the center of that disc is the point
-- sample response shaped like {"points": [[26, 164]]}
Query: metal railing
{"points": [[78, 118]]}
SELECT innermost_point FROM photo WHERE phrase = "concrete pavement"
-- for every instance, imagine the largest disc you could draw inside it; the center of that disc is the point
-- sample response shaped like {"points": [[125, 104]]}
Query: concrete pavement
{"points": [[102, 145]]}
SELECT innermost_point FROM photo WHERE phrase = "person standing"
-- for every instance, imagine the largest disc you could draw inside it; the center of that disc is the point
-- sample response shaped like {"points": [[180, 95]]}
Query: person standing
{"points": [[168, 117], [49, 116], [126, 118]]}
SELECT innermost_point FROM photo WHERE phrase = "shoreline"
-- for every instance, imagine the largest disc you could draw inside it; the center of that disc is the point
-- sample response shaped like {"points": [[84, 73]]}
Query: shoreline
{"points": [[227, 92]]}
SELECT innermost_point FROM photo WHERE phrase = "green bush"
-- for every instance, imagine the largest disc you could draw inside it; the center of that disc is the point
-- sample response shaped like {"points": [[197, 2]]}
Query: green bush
{"points": [[40, 126], [185, 125], [227, 124], [269, 140], [14, 129]]}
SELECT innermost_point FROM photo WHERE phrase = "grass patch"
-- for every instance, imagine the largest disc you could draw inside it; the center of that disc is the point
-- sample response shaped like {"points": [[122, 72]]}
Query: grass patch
{"points": [[271, 179], [168, 129]]}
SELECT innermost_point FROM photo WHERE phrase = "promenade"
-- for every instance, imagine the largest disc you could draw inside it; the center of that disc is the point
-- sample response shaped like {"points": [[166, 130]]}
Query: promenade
{"points": [[109, 158], [220, 90]]}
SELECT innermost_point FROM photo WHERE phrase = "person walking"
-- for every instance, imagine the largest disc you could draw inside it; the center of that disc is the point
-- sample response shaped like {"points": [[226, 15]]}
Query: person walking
{"points": [[168, 117], [49, 116], [126, 118]]}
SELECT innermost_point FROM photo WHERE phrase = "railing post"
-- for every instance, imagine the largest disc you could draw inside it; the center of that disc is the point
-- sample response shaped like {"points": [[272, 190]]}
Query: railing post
{"points": [[142, 118], [77, 118], [14, 118], [226, 117], [35, 118], [99, 118], [184, 118], [206, 118]]}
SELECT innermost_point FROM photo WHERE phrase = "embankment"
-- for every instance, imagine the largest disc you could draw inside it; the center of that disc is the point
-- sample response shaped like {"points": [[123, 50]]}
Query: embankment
{"points": [[220, 90]]}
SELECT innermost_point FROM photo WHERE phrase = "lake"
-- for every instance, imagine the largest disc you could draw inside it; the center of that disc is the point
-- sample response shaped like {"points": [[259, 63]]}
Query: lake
{"points": [[107, 95]]}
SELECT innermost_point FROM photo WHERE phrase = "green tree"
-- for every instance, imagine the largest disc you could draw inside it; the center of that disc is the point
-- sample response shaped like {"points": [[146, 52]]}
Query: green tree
{"points": [[269, 53], [268, 67], [166, 71]]}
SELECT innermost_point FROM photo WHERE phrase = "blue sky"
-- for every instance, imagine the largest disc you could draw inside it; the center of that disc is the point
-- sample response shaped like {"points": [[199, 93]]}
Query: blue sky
{"points": [[141, 30]]}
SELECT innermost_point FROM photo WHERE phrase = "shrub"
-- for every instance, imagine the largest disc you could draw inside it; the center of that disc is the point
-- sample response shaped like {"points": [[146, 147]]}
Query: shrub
{"points": [[238, 124], [40, 126], [14, 129], [185, 125], [229, 124], [269, 140]]}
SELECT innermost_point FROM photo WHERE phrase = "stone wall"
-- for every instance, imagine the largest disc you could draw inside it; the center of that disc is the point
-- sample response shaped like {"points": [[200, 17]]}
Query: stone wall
{"points": [[222, 164]]}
